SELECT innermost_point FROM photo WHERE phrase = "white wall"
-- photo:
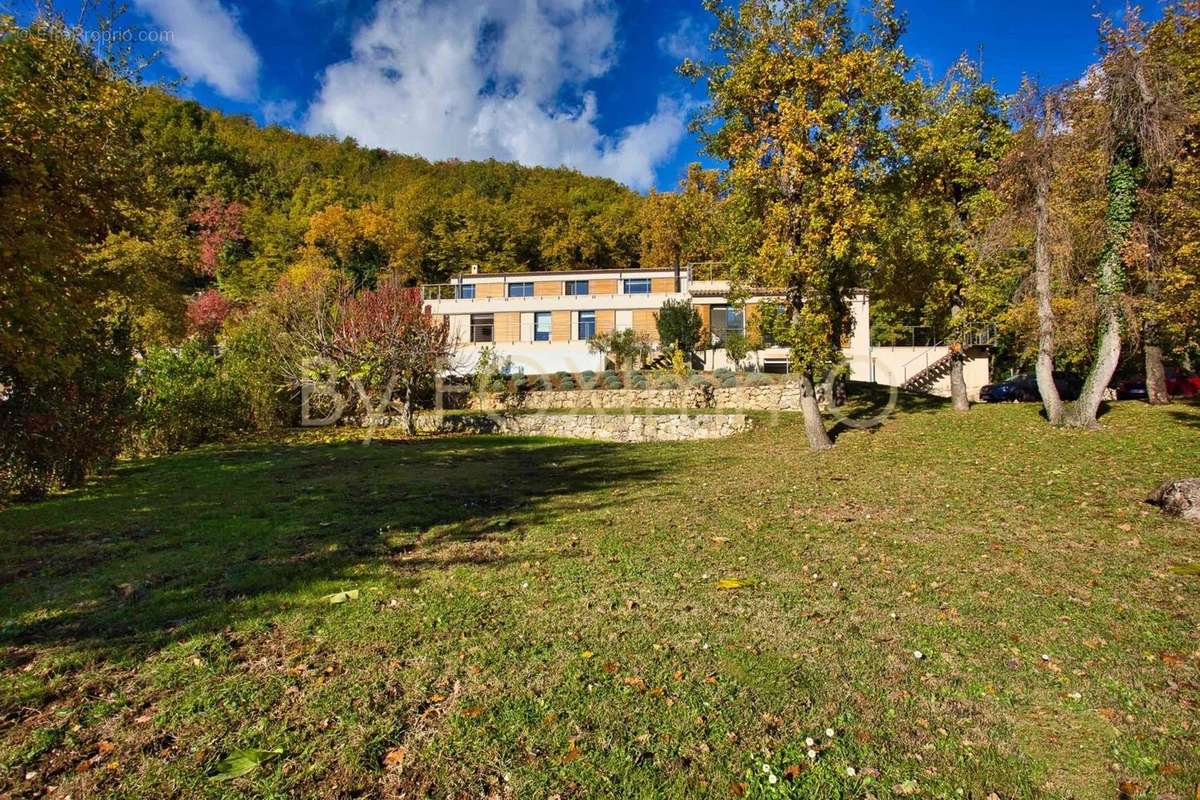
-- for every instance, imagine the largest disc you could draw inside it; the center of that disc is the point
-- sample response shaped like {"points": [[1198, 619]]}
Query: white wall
{"points": [[532, 358], [892, 366]]}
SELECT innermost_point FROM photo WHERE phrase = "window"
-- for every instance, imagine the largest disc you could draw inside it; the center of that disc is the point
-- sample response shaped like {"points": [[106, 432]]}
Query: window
{"points": [[726, 319], [541, 326], [520, 290], [637, 286], [466, 291], [482, 327], [575, 287], [587, 325]]}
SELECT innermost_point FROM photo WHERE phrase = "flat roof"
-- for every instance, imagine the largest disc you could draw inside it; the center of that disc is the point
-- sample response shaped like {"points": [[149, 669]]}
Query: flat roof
{"points": [[668, 270]]}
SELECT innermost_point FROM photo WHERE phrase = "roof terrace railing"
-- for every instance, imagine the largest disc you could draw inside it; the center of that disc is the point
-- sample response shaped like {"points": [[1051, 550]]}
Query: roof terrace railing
{"points": [[439, 291]]}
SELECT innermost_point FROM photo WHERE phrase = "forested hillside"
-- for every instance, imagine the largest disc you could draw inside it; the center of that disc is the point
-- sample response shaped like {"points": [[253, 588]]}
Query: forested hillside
{"points": [[263, 199]]}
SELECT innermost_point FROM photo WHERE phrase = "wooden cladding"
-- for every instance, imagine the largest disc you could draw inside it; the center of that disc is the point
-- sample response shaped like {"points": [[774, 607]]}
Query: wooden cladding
{"points": [[547, 288], [508, 327], [488, 290], [606, 321], [662, 285], [644, 322], [705, 316], [602, 286], [560, 326]]}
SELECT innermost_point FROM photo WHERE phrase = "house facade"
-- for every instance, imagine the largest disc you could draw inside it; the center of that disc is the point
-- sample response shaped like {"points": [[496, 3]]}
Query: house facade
{"points": [[542, 321]]}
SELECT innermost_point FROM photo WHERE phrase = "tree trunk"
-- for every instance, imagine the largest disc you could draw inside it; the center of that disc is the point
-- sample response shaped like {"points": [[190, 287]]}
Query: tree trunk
{"points": [[406, 410], [814, 426], [1084, 413], [1156, 376], [958, 384], [1045, 357], [1122, 202]]}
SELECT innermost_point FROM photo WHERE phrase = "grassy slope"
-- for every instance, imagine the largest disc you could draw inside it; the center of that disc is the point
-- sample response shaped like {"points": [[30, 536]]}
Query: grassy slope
{"points": [[174, 612]]}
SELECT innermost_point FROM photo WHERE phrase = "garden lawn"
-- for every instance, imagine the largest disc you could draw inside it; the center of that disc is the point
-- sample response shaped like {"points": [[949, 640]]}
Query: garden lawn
{"points": [[972, 603]]}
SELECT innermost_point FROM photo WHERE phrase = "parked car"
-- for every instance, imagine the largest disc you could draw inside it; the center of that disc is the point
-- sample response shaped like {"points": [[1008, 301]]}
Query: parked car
{"points": [[1024, 389], [1178, 385]]}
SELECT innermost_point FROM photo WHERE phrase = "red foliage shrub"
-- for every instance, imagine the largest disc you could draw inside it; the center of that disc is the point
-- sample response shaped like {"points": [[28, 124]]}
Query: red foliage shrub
{"points": [[206, 311]]}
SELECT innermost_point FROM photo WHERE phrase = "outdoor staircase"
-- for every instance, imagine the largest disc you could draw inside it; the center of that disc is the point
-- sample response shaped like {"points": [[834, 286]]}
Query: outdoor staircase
{"points": [[925, 374], [925, 380]]}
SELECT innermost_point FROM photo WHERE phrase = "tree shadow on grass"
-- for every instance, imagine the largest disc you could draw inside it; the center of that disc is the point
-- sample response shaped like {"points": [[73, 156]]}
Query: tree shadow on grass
{"points": [[871, 405], [1186, 412], [168, 548]]}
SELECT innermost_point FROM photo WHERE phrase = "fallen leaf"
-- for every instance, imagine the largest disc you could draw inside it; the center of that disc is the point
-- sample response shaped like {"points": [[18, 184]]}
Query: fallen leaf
{"points": [[573, 753], [243, 762], [472, 711], [906, 789], [104, 748], [739, 789], [734, 583], [721, 539], [611, 667], [437, 698], [1186, 569], [338, 598], [395, 757], [636, 682], [793, 771], [587, 654]]}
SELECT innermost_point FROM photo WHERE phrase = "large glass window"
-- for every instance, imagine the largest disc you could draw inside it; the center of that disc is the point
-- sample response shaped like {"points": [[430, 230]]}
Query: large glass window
{"points": [[575, 287], [587, 325], [466, 291], [483, 328], [726, 319], [541, 326], [520, 289], [637, 286]]}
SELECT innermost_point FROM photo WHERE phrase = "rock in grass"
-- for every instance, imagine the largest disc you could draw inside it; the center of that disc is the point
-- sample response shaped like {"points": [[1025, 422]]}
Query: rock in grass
{"points": [[1179, 498]]}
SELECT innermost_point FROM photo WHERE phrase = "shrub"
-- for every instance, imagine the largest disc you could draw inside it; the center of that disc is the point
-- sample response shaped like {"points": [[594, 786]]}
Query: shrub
{"points": [[737, 347], [679, 326], [567, 384], [626, 348], [57, 430], [613, 382], [184, 398], [247, 359]]}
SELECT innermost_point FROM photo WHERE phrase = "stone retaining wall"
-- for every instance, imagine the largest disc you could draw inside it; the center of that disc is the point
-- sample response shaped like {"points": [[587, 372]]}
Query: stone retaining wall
{"points": [[604, 427], [776, 397]]}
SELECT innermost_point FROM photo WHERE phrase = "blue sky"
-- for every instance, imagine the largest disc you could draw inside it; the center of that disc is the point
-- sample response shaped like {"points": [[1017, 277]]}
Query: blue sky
{"points": [[588, 83]]}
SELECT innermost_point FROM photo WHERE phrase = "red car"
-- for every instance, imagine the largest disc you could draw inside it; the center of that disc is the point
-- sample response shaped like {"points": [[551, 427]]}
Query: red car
{"points": [[1178, 385]]}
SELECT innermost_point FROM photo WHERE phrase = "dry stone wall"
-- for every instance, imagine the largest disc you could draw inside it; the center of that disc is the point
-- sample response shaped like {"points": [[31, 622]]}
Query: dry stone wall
{"points": [[602, 427]]}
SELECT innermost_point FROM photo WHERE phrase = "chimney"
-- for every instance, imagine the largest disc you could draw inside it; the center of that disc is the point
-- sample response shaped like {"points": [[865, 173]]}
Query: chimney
{"points": [[474, 269]]}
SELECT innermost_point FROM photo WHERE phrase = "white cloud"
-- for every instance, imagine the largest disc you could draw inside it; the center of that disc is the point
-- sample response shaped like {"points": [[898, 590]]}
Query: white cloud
{"points": [[278, 112], [206, 44], [686, 41], [490, 79]]}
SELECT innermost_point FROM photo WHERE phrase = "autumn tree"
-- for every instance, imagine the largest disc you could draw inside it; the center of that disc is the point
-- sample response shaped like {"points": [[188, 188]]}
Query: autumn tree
{"points": [[678, 228], [386, 339], [71, 274], [938, 206], [798, 101]]}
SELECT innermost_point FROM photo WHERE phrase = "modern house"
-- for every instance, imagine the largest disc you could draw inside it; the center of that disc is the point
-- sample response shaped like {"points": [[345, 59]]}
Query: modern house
{"points": [[542, 321]]}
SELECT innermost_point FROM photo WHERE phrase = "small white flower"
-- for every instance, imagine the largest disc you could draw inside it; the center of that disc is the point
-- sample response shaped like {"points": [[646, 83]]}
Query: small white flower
{"points": [[829, 733], [766, 767], [809, 741], [772, 779], [812, 754], [850, 773], [918, 655]]}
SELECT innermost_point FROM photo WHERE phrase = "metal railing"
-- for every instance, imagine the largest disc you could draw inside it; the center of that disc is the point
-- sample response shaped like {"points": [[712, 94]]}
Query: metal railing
{"points": [[981, 336]]}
